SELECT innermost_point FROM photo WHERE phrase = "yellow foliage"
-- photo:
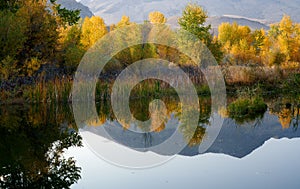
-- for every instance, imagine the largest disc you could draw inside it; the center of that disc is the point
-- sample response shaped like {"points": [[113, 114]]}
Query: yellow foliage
{"points": [[92, 30], [97, 122], [285, 118], [223, 112], [157, 18], [198, 136], [239, 41], [32, 65], [290, 65], [285, 40], [125, 21], [63, 32], [112, 27], [233, 33]]}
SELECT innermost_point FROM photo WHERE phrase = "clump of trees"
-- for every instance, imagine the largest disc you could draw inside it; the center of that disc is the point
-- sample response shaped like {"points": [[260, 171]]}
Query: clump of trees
{"points": [[38, 33], [278, 46]]}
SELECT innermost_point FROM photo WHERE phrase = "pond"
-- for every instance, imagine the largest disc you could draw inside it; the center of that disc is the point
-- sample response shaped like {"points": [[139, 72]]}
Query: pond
{"points": [[41, 146]]}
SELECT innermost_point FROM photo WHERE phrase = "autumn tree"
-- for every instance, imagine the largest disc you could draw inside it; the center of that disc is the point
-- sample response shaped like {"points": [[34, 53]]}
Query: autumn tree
{"points": [[240, 43], [157, 18], [282, 43], [287, 39], [232, 34], [29, 36], [259, 37], [92, 30], [133, 53], [125, 21]]}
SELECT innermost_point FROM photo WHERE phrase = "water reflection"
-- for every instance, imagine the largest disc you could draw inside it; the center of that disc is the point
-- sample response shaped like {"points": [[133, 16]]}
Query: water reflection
{"points": [[170, 120], [288, 114], [33, 140], [237, 137]]}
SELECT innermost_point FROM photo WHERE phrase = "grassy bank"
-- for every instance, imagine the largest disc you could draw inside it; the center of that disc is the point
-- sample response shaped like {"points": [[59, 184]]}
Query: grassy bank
{"points": [[260, 81]]}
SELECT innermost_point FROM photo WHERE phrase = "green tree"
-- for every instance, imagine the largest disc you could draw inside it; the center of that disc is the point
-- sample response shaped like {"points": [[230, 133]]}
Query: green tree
{"points": [[65, 16], [193, 20], [71, 48], [12, 34], [34, 144], [10, 5]]}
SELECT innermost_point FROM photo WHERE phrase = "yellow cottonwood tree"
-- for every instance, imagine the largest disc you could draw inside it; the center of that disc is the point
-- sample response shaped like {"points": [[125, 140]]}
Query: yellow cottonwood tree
{"points": [[125, 21], [282, 44], [241, 43], [287, 39], [157, 18], [92, 30]]}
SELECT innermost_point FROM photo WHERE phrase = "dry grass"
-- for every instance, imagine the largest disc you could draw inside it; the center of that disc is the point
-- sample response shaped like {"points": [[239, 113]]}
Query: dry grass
{"points": [[249, 75]]}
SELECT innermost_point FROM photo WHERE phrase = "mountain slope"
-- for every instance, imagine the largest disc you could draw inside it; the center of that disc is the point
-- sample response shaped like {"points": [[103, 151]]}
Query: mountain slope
{"points": [[234, 140], [138, 10], [215, 21]]}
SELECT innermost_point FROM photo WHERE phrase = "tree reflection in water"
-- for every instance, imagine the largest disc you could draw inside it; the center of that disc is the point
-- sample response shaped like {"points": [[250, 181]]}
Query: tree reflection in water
{"points": [[288, 114], [193, 134], [33, 140]]}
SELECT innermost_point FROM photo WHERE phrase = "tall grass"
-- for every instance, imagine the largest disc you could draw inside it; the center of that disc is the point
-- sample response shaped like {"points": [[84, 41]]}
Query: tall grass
{"points": [[271, 81], [57, 90]]}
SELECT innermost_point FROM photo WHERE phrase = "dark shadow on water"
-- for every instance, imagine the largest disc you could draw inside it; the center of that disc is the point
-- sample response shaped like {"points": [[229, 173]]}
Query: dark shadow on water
{"points": [[33, 140]]}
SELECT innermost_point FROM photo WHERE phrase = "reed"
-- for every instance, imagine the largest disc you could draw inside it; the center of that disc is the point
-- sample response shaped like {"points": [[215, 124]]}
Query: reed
{"points": [[263, 81], [57, 90]]}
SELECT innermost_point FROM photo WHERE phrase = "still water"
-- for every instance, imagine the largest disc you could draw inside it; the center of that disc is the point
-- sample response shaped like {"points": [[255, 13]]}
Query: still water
{"points": [[41, 147]]}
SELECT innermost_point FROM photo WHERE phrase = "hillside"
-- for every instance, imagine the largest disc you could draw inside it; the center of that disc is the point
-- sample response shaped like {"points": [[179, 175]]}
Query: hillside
{"points": [[215, 21], [268, 10]]}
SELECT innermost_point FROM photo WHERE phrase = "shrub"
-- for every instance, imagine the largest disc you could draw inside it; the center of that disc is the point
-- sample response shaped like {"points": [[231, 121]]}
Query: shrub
{"points": [[244, 109]]}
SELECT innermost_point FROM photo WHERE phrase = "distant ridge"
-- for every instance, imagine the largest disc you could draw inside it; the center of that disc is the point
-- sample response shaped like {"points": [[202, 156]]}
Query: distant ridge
{"points": [[268, 10], [218, 20], [215, 21]]}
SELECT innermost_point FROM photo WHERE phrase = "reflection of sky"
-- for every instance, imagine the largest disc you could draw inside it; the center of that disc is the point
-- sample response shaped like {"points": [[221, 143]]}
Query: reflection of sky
{"points": [[274, 165]]}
